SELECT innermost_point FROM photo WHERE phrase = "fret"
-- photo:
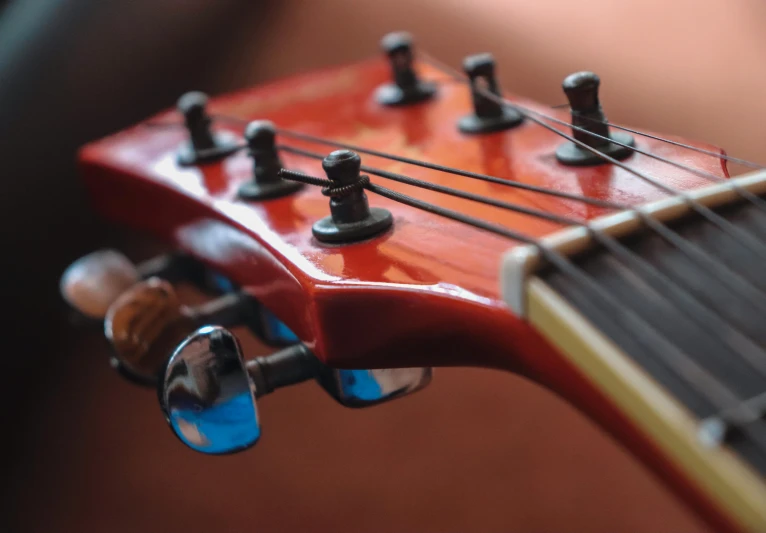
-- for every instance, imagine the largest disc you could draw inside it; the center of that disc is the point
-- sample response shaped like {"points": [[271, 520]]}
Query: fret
{"points": [[715, 429]]}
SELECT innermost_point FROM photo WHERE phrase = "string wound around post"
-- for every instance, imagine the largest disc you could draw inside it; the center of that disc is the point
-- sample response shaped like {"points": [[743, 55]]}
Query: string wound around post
{"points": [[351, 218], [266, 183]]}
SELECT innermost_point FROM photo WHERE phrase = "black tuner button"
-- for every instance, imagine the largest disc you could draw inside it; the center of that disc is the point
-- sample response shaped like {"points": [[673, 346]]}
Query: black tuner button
{"points": [[204, 146], [489, 114], [351, 217], [266, 183], [581, 89], [407, 87]]}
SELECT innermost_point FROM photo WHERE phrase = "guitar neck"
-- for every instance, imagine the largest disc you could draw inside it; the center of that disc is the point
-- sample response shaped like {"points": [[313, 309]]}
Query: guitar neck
{"points": [[666, 323]]}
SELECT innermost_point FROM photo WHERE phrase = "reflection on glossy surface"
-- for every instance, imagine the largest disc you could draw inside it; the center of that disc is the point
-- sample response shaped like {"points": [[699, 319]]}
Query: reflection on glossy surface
{"points": [[94, 281], [207, 396], [360, 388]]}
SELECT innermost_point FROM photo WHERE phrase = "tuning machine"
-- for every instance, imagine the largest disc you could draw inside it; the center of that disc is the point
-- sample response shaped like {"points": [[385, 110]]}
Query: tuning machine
{"points": [[208, 392], [148, 321], [93, 282]]}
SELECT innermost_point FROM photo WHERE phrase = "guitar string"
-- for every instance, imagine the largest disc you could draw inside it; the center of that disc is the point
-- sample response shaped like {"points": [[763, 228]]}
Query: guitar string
{"points": [[740, 344], [450, 71], [718, 155], [441, 168], [743, 236], [740, 286], [707, 385], [759, 202]]}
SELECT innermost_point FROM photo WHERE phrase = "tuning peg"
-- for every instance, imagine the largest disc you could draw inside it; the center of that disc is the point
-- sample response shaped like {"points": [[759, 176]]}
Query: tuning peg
{"points": [[148, 321], [92, 283], [489, 115], [204, 146], [581, 89], [351, 218], [208, 393], [266, 183], [407, 87], [363, 388]]}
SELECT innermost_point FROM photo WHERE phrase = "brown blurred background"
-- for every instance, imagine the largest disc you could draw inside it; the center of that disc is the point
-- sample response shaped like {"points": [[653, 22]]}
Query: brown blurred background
{"points": [[479, 451]]}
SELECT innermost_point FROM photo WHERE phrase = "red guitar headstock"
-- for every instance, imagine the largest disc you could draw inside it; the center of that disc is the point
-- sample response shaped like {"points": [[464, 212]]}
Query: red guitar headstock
{"points": [[369, 208], [428, 282]]}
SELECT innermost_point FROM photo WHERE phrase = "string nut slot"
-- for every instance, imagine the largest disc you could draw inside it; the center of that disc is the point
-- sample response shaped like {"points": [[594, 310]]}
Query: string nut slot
{"points": [[407, 87], [203, 146], [489, 115], [266, 183], [581, 89], [351, 217]]}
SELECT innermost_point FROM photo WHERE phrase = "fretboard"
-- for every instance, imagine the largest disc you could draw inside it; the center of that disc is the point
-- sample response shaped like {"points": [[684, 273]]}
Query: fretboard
{"points": [[708, 300]]}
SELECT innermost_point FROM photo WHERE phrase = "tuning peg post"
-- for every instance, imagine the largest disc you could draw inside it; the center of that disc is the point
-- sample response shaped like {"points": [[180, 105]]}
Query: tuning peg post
{"points": [[266, 183], [581, 89], [489, 115], [351, 217], [407, 88], [204, 145]]}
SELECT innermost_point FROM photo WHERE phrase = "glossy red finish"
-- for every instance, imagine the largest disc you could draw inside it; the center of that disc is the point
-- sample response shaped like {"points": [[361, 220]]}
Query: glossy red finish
{"points": [[426, 293]]}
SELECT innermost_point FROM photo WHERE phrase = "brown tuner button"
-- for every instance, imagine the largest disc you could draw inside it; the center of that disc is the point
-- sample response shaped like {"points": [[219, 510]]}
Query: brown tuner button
{"points": [[92, 283], [145, 324]]}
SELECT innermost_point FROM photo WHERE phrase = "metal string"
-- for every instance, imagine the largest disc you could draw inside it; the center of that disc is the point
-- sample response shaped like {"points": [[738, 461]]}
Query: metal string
{"points": [[740, 286], [736, 283], [744, 237], [718, 155], [705, 383], [743, 193], [740, 344]]}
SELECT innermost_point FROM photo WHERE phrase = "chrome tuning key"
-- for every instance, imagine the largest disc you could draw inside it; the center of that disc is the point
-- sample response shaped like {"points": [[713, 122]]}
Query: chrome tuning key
{"points": [[363, 388], [146, 323], [208, 392], [92, 283]]}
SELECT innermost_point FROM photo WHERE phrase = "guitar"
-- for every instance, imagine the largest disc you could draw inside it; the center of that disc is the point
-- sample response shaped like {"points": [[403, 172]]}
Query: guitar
{"points": [[379, 219]]}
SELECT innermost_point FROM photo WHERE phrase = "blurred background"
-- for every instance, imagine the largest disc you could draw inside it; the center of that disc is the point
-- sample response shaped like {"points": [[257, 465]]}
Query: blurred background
{"points": [[478, 451]]}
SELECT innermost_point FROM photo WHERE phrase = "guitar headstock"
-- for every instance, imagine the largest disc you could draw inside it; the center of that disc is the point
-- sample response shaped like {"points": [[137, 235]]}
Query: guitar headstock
{"points": [[424, 292], [362, 214]]}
